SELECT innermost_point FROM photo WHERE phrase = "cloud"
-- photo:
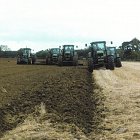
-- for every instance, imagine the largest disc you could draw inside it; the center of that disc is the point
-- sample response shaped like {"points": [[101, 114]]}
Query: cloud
{"points": [[50, 22]]}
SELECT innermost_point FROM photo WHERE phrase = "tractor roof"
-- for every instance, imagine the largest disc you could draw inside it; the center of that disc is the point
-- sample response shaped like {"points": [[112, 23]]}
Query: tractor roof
{"points": [[54, 48], [98, 42], [68, 45]]}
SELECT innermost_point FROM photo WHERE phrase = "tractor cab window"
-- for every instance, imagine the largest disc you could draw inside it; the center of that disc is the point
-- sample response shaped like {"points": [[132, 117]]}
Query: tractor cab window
{"points": [[27, 52], [100, 46], [69, 48], [112, 50], [56, 50]]}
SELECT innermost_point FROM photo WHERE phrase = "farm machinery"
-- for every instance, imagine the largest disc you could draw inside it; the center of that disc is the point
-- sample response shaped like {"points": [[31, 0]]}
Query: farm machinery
{"points": [[52, 56], [117, 59], [98, 56], [25, 56], [68, 56]]}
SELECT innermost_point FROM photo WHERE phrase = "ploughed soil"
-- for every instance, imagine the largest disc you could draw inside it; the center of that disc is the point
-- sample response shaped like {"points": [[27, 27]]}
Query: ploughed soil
{"points": [[49, 102]]}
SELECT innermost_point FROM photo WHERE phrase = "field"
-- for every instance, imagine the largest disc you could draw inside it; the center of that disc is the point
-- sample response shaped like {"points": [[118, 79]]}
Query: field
{"points": [[69, 103]]}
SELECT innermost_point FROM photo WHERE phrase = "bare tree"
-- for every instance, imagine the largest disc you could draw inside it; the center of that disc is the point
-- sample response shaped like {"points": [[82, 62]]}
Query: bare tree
{"points": [[4, 48]]}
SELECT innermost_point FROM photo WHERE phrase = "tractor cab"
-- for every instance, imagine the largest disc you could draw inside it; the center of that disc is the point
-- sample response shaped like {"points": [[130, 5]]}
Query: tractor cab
{"points": [[26, 52], [68, 49], [55, 50], [112, 51]]}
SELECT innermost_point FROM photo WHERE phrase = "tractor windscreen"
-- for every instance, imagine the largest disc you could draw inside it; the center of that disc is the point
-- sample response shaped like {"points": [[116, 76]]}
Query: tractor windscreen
{"points": [[69, 48], [100, 46], [26, 52], [112, 50], [56, 50]]}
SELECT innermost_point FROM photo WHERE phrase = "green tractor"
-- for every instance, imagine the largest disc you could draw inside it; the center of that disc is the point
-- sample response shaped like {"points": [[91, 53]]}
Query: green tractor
{"points": [[24, 56], [98, 56], [52, 56], [117, 59], [68, 56]]}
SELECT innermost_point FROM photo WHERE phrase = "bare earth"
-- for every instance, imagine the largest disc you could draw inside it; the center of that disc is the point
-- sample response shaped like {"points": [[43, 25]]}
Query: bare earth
{"points": [[121, 88]]}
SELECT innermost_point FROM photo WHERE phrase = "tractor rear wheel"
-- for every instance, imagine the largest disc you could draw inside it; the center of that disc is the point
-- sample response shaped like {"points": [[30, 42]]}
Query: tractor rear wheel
{"points": [[60, 61], [110, 64], [90, 65], [118, 62]]}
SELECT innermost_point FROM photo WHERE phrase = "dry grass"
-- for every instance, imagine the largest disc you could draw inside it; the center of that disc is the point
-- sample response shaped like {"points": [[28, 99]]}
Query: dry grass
{"points": [[122, 90]]}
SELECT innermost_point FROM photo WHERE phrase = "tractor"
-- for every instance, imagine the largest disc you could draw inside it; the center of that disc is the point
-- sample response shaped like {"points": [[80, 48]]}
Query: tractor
{"points": [[25, 56], [68, 56], [52, 56], [117, 59], [98, 56]]}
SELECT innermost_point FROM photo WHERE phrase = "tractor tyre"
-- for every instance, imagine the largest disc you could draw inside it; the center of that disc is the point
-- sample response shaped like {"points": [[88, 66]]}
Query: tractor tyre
{"points": [[110, 64], [118, 62], [33, 60], [106, 66], [18, 62], [29, 61], [75, 61], [60, 61], [48, 61], [90, 65]]}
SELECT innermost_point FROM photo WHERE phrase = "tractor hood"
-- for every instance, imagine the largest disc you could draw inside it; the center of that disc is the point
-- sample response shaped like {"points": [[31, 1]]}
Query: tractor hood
{"points": [[55, 54], [100, 53], [67, 52]]}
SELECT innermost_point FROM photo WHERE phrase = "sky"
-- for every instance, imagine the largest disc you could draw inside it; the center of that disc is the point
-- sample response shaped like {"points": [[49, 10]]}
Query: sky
{"points": [[42, 24]]}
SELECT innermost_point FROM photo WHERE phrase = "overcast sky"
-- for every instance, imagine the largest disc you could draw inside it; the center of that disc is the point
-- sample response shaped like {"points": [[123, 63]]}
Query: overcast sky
{"points": [[41, 24]]}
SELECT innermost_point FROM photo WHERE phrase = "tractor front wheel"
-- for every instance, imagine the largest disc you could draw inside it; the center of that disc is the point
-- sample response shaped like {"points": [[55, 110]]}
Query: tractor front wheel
{"points": [[60, 61], [29, 61], [110, 64], [75, 61], [90, 65]]}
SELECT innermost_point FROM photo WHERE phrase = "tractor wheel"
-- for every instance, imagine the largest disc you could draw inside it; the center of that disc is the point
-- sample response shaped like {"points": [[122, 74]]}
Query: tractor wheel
{"points": [[29, 61], [106, 66], [60, 61], [118, 62], [33, 60], [110, 64], [48, 61], [18, 62], [75, 61], [90, 65]]}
